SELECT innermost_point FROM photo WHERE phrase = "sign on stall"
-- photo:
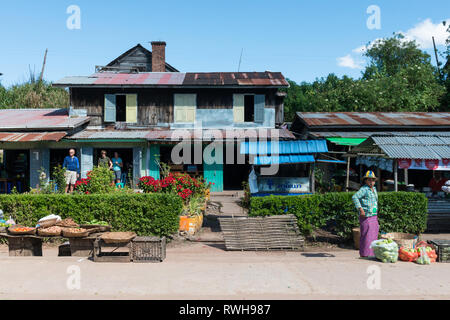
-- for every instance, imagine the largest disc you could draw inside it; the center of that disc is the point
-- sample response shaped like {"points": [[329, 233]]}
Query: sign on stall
{"points": [[283, 185], [424, 164]]}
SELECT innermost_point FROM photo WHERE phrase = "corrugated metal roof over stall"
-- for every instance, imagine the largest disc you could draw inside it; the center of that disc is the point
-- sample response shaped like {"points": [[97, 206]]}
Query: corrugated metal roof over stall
{"points": [[374, 119], [31, 136], [283, 147], [407, 147]]}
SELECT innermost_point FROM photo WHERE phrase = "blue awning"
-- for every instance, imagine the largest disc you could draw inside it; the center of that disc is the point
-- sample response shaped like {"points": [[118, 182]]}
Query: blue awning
{"points": [[283, 147], [331, 161], [283, 159]]}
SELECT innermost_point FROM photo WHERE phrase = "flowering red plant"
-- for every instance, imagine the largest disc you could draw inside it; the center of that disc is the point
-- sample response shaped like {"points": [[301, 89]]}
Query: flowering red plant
{"points": [[178, 183]]}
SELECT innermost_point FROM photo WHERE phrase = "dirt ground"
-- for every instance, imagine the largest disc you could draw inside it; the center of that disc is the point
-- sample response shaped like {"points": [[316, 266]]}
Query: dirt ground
{"points": [[194, 270]]}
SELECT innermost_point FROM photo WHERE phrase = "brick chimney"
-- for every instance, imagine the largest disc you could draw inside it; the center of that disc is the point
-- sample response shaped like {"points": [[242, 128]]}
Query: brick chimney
{"points": [[158, 56]]}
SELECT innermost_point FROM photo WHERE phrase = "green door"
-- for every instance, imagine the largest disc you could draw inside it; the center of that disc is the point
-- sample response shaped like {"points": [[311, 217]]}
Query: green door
{"points": [[154, 161], [214, 172]]}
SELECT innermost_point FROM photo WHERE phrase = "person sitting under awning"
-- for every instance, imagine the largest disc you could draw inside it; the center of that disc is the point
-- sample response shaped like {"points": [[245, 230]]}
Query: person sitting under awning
{"points": [[437, 182]]}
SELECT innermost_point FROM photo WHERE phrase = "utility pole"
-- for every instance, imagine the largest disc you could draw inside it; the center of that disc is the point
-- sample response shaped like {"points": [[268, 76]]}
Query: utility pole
{"points": [[437, 61], [43, 66], [240, 60]]}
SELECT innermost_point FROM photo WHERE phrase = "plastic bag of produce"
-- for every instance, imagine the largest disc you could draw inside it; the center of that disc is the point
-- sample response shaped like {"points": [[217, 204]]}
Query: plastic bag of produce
{"points": [[386, 250], [423, 256], [407, 254]]}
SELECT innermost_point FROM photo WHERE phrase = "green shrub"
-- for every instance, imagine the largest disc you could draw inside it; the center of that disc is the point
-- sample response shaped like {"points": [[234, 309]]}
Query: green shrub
{"points": [[145, 214], [399, 211]]}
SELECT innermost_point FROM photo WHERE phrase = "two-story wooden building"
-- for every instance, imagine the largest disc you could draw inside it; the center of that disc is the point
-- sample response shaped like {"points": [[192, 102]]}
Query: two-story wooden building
{"points": [[140, 106]]}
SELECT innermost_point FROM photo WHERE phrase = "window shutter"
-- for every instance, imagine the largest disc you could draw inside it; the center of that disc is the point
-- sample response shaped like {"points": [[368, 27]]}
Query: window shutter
{"points": [[110, 108], [131, 101], [238, 107], [260, 101], [185, 106]]}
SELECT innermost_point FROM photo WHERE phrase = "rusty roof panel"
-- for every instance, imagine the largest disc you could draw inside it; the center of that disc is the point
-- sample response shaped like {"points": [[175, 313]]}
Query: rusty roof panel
{"points": [[273, 79], [373, 119], [31, 136], [36, 119]]}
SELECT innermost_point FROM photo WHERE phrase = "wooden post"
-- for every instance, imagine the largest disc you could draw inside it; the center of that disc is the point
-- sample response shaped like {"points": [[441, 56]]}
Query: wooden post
{"points": [[406, 176], [313, 178], [347, 178], [395, 175], [379, 179]]}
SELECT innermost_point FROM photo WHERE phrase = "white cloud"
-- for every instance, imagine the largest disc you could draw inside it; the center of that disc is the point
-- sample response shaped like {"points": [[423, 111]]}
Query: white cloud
{"points": [[424, 30], [348, 62]]}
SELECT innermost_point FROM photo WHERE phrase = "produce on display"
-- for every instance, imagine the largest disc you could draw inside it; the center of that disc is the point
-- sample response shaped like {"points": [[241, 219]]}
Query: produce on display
{"points": [[98, 222], [386, 250], [68, 222], [53, 230], [75, 230], [408, 254], [423, 258]]}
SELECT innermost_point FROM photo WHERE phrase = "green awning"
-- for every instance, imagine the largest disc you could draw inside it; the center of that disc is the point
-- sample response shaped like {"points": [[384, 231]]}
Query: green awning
{"points": [[346, 141]]}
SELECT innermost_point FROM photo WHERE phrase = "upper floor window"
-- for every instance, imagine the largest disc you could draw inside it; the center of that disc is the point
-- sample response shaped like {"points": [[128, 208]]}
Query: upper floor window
{"points": [[121, 108], [248, 107], [185, 106]]}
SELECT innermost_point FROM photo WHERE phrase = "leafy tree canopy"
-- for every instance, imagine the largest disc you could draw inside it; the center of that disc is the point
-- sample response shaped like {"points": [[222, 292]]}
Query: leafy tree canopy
{"points": [[399, 76]]}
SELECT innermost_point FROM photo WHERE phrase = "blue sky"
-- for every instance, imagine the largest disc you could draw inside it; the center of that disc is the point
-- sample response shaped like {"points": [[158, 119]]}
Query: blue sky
{"points": [[304, 40]]}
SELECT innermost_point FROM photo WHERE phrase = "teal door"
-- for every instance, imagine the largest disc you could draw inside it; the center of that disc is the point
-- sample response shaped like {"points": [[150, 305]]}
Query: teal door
{"points": [[214, 172], [154, 161]]}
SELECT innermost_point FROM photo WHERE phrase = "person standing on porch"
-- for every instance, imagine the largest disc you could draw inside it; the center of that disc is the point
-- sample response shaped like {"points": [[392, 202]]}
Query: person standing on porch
{"points": [[117, 165], [72, 166], [366, 202]]}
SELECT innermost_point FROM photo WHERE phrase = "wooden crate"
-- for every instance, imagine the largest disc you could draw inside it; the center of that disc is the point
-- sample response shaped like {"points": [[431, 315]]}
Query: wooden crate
{"points": [[111, 256], [24, 246], [81, 247]]}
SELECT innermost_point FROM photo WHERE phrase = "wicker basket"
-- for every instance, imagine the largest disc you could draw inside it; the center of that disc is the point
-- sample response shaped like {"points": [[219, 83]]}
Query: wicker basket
{"points": [[45, 233], [98, 227], [67, 223], [118, 237], [48, 223], [69, 234], [406, 240], [11, 231], [356, 237]]}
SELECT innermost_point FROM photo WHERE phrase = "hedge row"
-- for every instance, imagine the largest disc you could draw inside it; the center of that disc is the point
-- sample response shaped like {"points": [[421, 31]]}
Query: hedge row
{"points": [[145, 214], [398, 211]]}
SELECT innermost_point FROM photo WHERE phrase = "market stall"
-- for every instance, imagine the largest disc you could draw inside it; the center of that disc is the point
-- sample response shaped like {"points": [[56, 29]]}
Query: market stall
{"points": [[290, 164]]}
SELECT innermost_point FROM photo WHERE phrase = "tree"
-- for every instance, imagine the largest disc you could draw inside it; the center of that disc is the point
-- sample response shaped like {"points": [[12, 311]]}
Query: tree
{"points": [[399, 77]]}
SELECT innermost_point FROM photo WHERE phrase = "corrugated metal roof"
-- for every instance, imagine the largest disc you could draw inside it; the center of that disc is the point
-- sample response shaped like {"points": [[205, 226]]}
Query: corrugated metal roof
{"points": [[108, 79], [374, 119], [407, 147], [36, 119], [283, 147], [174, 135], [366, 134], [31, 136]]}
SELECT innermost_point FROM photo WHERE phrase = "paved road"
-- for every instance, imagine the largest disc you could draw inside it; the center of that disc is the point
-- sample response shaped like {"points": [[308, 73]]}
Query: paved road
{"points": [[195, 271]]}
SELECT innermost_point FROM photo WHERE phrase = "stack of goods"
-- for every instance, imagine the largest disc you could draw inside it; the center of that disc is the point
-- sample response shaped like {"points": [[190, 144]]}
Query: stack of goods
{"points": [[386, 250]]}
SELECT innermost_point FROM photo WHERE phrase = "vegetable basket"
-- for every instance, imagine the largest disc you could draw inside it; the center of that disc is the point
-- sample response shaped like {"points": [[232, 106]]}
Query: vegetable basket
{"points": [[406, 240], [13, 230]]}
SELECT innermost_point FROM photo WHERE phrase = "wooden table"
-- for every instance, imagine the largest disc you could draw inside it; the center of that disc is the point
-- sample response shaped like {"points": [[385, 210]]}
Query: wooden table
{"points": [[23, 245], [31, 245]]}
